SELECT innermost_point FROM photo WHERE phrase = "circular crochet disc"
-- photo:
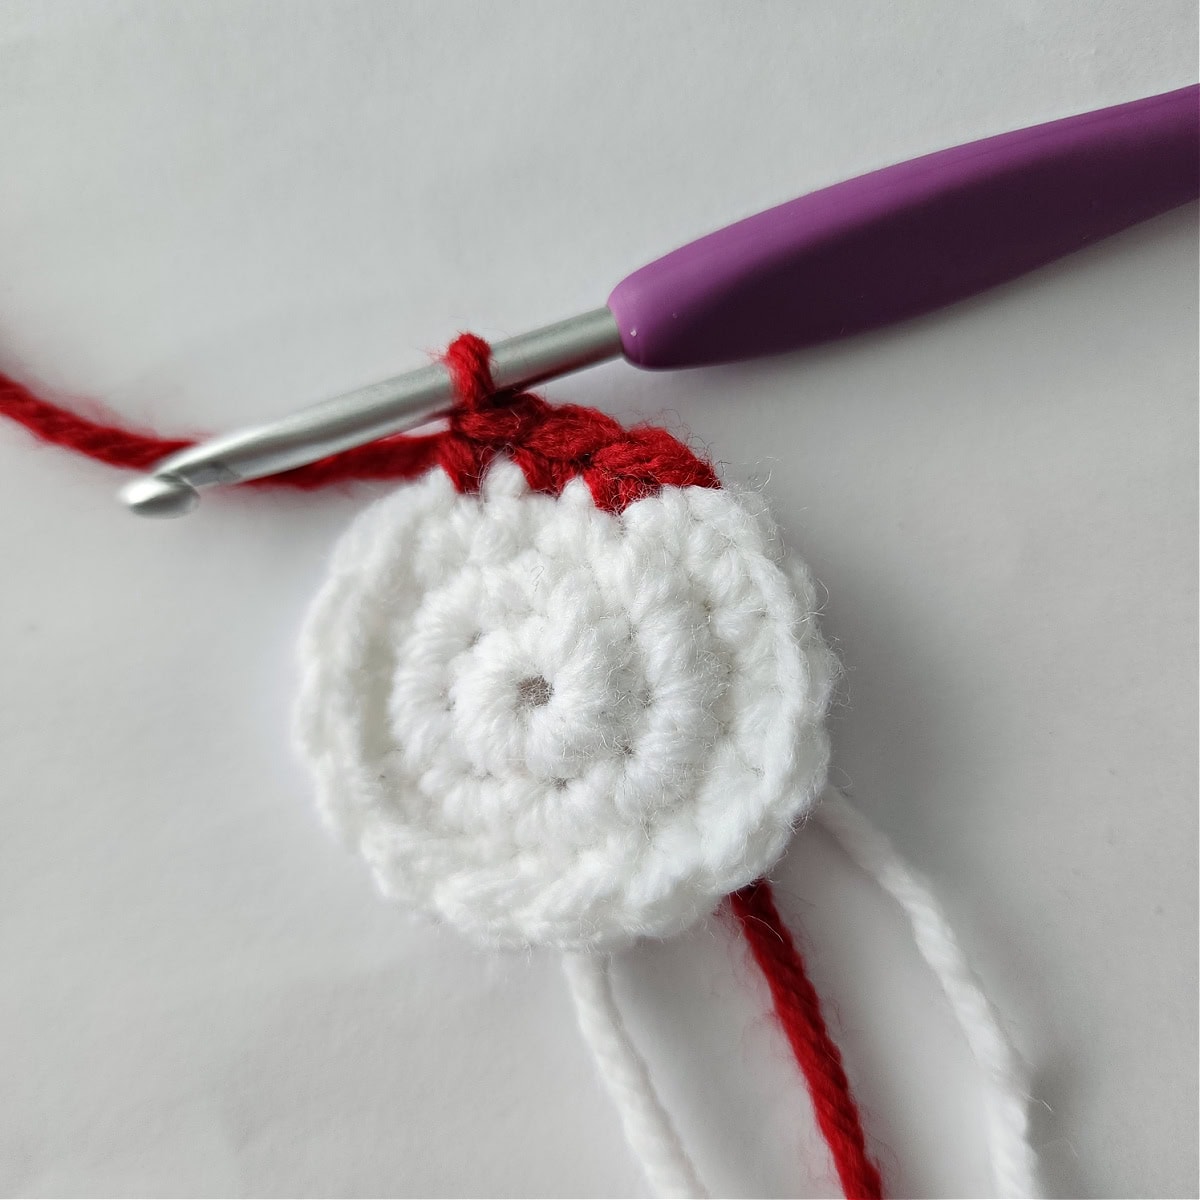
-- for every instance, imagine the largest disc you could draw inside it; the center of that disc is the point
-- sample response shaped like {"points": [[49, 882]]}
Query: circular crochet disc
{"points": [[548, 724]]}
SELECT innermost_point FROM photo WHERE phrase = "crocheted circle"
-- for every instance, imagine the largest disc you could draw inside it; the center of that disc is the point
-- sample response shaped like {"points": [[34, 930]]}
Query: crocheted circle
{"points": [[546, 723]]}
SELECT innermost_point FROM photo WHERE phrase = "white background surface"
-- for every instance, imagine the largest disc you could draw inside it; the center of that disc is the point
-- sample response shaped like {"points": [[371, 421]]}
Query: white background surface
{"points": [[213, 212]]}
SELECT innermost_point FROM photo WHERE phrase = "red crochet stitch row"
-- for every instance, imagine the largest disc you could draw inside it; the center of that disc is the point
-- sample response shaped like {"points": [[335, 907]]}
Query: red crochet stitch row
{"points": [[554, 444], [799, 1012]]}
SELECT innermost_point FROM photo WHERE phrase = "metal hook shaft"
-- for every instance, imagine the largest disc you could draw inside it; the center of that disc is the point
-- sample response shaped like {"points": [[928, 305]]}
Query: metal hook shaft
{"points": [[394, 405]]}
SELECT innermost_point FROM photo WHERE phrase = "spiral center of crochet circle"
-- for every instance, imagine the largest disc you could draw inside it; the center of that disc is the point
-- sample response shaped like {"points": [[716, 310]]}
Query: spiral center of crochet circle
{"points": [[534, 691], [626, 726]]}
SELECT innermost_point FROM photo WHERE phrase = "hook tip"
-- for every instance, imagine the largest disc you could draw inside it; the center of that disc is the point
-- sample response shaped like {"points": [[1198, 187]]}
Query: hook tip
{"points": [[159, 496]]}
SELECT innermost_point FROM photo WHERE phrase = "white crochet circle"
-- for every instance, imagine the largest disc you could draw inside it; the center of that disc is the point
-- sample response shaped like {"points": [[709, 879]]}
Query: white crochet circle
{"points": [[548, 724]]}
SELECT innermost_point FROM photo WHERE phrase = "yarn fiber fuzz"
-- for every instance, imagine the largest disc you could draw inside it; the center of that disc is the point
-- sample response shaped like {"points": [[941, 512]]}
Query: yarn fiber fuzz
{"points": [[547, 723]]}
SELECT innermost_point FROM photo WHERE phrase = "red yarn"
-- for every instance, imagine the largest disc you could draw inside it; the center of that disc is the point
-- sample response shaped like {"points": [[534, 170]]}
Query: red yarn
{"points": [[799, 1012], [118, 446], [552, 444], [555, 443], [101, 440]]}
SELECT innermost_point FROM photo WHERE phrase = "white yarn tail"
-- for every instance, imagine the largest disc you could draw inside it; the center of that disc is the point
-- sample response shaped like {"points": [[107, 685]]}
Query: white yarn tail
{"points": [[648, 1128], [1014, 1165]]}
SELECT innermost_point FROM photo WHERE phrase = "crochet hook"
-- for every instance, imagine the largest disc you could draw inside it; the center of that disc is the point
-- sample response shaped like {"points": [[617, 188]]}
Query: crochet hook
{"points": [[861, 254]]}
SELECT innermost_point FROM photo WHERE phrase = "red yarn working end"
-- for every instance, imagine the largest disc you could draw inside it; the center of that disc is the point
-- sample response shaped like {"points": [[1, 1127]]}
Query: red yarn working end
{"points": [[799, 1011], [552, 444], [103, 440]]}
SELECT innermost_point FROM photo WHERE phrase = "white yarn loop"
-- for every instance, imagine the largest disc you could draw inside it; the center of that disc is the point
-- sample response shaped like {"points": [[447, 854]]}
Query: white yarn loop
{"points": [[647, 1127], [546, 723], [1006, 1100]]}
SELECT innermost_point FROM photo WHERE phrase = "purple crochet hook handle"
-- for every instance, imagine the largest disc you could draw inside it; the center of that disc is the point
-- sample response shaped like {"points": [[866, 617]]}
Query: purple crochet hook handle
{"points": [[855, 256], [911, 237]]}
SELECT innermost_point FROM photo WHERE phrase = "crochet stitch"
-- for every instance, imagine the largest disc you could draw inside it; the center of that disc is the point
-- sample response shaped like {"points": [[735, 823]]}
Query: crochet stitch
{"points": [[546, 723]]}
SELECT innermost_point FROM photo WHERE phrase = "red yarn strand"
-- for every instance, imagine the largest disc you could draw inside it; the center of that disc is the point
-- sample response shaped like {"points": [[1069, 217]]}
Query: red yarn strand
{"points": [[130, 449], [102, 440], [799, 1012]]}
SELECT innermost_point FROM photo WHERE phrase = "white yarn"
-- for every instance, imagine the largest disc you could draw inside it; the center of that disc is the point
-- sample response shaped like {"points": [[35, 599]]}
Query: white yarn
{"points": [[647, 1127], [1014, 1164], [546, 723]]}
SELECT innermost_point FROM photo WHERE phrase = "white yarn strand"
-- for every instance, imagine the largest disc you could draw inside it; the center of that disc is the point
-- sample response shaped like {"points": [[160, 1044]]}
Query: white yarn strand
{"points": [[1014, 1164], [648, 1129]]}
